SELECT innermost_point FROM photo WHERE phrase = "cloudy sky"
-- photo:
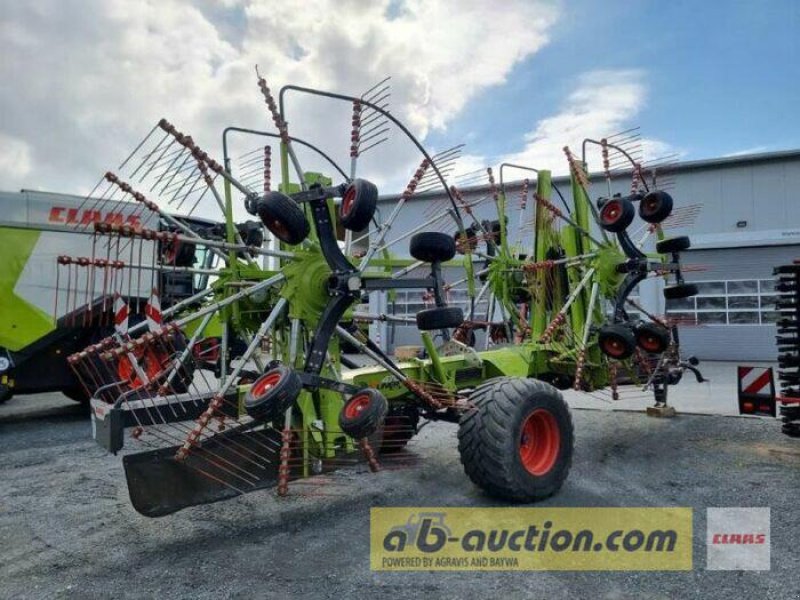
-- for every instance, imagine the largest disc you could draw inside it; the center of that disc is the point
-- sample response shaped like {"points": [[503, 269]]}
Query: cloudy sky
{"points": [[84, 80]]}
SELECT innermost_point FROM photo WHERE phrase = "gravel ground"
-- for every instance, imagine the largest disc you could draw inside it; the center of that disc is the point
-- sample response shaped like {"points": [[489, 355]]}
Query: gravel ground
{"points": [[68, 529]]}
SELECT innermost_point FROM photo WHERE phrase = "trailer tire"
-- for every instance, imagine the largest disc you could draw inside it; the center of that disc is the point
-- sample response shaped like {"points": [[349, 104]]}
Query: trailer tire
{"points": [[680, 291], [272, 394], [399, 426], [283, 217], [359, 202], [363, 413], [655, 206], [184, 378], [652, 338], [616, 341], [6, 393], [441, 317], [517, 442], [616, 214], [676, 244], [432, 246], [76, 394], [466, 240]]}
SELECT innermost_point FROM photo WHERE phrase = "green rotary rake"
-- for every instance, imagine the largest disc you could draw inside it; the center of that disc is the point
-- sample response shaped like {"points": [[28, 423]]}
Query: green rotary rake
{"points": [[241, 384]]}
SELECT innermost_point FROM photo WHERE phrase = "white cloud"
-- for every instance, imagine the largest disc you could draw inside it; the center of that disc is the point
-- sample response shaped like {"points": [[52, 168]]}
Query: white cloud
{"points": [[604, 102], [15, 160], [89, 83], [745, 151]]}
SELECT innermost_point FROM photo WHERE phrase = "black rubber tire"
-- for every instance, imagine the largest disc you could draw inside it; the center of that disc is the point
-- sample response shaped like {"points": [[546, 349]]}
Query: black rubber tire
{"points": [[655, 206], [283, 217], [616, 214], [441, 317], [680, 291], [6, 393], [616, 341], [466, 239], [469, 338], [652, 338], [363, 413], [185, 376], [399, 426], [252, 234], [432, 246], [272, 394], [178, 254], [358, 205], [490, 438], [676, 244], [77, 394]]}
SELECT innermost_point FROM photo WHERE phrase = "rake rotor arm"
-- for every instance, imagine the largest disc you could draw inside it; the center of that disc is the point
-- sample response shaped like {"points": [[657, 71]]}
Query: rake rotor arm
{"points": [[506, 165], [281, 102], [622, 151], [125, 187], [294, 140]]}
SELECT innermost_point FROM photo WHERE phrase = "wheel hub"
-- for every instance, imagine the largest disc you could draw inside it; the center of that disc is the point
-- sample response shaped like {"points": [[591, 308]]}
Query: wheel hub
{"points": [[540, 441]]}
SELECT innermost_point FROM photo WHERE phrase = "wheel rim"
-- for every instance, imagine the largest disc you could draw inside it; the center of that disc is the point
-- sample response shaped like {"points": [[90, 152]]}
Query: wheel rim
{"points": [[650, 342], [650, 206], [540, 441], [614, 347], [170, 253], [611, 212], [152, 361], [265, 384], [348, 200], [278, 228], [356, 406]]}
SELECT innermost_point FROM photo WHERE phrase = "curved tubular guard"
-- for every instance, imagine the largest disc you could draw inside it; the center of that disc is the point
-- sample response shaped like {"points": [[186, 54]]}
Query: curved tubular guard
{"points": [[275, 135], [521, 168], [629, 248], [638, 260], [615, 147], [342, 295], [376, 108], [342, 298], [630, 282]]}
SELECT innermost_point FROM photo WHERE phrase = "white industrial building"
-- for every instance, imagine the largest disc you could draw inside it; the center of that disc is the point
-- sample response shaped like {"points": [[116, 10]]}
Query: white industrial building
{"points": [[742, 214]]}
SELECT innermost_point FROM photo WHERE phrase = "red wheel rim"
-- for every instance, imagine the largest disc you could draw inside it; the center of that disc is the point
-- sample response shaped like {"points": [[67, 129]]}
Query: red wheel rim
{"points": [[650, 206], [539, 442], [278, 228], [611, 212], [126, 372], [264, 384], [614, 347], [170, 253], [650, 343], [356, 405], [154, 361], [348, 200]]}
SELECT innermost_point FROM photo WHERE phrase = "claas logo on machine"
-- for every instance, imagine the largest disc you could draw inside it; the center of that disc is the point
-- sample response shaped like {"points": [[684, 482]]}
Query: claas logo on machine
{"points": [[71, 216]]}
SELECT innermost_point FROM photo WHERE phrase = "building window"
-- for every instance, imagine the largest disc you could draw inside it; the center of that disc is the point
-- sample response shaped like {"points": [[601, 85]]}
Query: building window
{"points": [[407, 303], [731, 302]]}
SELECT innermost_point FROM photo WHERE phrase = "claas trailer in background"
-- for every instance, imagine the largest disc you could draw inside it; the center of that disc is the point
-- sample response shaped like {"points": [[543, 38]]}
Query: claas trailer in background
{"points": [[38, 327]]}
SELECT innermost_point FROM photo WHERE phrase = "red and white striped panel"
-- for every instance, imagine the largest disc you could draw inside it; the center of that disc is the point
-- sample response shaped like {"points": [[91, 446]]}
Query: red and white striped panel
{"points": [[755, 380], [121, 312], [153, 312]]}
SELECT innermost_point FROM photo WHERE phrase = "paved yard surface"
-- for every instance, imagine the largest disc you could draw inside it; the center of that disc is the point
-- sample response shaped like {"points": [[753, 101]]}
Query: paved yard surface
{"points": [[68, 529]]}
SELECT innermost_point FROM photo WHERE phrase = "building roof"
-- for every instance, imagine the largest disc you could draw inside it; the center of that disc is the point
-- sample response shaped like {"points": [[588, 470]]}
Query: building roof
{"points": [[691, 165]]}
